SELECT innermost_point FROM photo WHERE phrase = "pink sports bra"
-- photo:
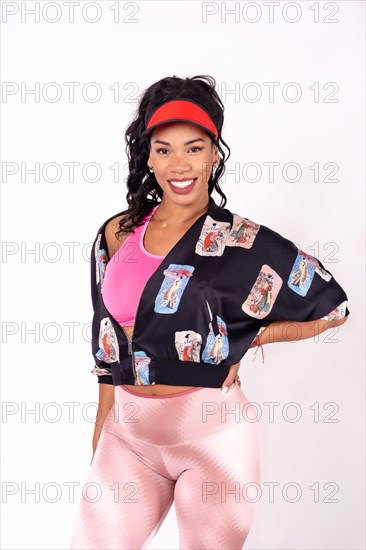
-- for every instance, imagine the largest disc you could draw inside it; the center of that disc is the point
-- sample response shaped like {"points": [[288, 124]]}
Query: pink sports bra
{"points": [[127, 273]]}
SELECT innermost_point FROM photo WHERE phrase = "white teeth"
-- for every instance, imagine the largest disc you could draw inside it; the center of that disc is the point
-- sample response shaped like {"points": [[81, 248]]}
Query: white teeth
{"points": [[181, 184]]}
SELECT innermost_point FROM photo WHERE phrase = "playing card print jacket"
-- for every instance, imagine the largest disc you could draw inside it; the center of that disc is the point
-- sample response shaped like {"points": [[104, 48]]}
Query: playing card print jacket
{"points": [[227, 279]]}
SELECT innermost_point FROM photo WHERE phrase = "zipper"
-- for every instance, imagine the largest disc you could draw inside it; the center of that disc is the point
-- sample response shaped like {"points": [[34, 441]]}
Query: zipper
{"points": [[129, 341], [130, 338], [130, 350]]}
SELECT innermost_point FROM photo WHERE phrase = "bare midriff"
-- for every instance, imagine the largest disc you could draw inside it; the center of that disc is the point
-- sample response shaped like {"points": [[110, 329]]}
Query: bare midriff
{"points": [[154, 389]]}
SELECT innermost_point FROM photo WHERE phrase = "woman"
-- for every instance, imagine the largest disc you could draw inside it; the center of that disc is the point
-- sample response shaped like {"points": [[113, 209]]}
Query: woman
{"points": [[155, 442]]}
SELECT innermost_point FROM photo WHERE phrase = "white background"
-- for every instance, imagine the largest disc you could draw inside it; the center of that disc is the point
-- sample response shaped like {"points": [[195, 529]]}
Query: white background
{"points": [[325, 218]]}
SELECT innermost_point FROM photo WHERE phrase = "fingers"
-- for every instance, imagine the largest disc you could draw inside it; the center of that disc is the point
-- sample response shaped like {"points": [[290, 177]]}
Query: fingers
{"points": [[230, 380]]}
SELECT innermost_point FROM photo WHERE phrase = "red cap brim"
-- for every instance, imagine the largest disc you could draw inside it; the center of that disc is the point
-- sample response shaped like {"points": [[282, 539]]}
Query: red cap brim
{"points": [[181, 110]]}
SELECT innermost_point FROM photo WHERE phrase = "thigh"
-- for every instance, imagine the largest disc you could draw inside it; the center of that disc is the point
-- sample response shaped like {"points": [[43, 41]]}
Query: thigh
{"points": [[217, 496], [124, 501]]}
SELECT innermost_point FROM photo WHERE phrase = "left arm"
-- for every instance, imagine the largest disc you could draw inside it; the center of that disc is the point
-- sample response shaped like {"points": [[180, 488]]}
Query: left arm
{"points": [[289, 331], [306, 308], [285, 331]]}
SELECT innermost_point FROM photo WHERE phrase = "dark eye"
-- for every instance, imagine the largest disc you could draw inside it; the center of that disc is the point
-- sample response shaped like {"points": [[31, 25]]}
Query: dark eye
{"points": [[196, 147], [161, 149]]}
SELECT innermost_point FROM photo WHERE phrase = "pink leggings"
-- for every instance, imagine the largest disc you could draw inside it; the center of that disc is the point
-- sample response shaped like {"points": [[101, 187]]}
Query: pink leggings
{"points": [[200, 448]]}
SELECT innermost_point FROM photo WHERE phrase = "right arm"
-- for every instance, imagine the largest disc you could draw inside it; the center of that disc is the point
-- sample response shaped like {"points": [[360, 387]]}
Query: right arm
{"points": [[106, 390], [106, 401]]}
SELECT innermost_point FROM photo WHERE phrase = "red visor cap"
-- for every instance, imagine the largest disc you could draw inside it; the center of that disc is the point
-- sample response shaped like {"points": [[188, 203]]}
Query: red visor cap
{"points": [[181, 110]]}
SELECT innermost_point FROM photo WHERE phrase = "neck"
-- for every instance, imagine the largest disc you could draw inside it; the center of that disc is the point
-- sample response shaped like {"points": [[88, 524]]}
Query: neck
{"points": [[176, 214]]}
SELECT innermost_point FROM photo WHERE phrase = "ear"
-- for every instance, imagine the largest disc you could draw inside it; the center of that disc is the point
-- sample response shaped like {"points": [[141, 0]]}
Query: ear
{"points": [[216, 154]]}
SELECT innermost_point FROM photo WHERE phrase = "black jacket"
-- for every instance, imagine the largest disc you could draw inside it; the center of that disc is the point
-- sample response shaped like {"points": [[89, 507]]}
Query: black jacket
{"points": [[223, 281]]}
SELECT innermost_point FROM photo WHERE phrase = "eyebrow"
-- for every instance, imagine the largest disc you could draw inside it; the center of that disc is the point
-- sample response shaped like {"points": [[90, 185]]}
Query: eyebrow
{"points": [[186, 143]]}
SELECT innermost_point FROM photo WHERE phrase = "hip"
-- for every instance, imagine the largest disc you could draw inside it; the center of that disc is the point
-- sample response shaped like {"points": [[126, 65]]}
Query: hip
{"points": [[181, 417]]}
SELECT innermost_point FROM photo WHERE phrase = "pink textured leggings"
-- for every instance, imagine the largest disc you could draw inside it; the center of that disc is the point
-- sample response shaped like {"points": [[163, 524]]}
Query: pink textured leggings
{"points": [[200, 448]]}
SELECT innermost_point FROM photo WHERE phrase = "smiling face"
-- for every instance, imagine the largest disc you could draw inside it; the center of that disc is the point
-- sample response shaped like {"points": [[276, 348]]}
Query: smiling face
{"points": [[179, 153]]}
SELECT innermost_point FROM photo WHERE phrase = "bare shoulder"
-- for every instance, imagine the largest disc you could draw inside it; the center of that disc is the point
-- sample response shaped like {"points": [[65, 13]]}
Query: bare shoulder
{"points": [[114, 242]]}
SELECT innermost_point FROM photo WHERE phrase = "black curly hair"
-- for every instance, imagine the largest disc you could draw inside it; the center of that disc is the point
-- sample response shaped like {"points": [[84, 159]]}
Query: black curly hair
{"points": [[141, 182]]}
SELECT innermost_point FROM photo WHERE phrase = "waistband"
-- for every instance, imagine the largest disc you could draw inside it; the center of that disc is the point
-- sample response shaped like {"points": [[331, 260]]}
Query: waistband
{"points": [[184, 392]]}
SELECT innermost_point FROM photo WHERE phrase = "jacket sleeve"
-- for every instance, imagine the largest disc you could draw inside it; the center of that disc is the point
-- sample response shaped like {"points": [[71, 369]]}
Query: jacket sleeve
{"points": [[302, 289], [101, 369]]}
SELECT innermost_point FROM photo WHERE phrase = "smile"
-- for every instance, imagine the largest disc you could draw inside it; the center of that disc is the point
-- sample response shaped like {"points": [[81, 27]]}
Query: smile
{"points": [[182, 184]]}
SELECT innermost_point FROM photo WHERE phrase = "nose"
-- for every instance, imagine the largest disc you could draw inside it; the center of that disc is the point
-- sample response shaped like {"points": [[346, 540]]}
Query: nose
{"points": [[179, 164]]}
